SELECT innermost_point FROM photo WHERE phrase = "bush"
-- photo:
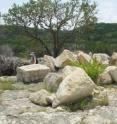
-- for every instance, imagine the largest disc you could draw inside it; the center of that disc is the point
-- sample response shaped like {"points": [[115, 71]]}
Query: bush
{"points": [[93, 69]]}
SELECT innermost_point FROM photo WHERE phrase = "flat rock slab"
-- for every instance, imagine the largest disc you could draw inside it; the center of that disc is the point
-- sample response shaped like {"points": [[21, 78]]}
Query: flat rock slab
{"points": [[32, 73]]}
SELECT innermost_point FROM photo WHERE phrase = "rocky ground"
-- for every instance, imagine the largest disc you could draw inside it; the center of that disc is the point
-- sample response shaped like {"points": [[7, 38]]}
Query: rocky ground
{"points": [[24, 101], [16, 108]]}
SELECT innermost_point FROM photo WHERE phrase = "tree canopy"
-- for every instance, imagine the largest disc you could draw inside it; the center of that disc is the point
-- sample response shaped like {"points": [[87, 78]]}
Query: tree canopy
{"points": [[52, 16]]}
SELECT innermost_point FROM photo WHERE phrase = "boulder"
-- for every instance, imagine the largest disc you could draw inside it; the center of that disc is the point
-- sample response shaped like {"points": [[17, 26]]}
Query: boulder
{"points": [[32, 73], [106, 76], [113, 74], [40, 97], [113, 60], [83, 57], [67, 70], [52, 81], [49, 61], [72, 88], [65, 58], [101, 58]]}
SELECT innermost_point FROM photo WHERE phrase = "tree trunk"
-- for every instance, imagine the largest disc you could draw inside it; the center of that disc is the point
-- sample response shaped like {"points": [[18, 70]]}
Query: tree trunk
{"points": [[56, 48], [39, 39]]}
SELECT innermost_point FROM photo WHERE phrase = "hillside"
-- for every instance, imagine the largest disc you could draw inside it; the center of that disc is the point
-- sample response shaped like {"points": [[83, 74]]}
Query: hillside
{"points": [[103, 39]]}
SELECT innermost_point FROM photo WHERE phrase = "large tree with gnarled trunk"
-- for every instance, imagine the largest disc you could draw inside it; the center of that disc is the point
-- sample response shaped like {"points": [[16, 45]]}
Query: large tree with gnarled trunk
{"points": [[52, 16]]}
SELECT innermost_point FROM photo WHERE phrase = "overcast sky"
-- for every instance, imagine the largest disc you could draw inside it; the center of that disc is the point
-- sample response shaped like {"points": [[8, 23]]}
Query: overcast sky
{"points": [[107, 9]]}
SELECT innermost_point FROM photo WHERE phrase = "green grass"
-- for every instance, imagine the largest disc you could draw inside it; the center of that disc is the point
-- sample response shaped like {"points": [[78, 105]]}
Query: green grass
{"points": [[6, 85], [93, 69], [81, 104]]}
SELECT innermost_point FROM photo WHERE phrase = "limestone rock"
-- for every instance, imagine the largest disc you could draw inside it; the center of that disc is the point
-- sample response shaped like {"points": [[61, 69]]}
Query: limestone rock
{"points": [[83, 57], [40, 97], [65, 58], [52, 81], [106, 76], [72, 88], [113, 60], [101, 58], [67, 70], [100, 96], [113, 74], [32, 73], [49, 61], [51, 98]]}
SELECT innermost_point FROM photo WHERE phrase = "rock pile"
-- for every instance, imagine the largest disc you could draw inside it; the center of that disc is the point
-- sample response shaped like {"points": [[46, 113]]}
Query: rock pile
{"points": [[69, 84]]}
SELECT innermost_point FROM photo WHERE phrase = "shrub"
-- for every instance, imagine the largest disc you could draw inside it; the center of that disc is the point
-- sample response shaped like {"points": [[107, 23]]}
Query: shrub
{"points": [[81, 104], [93, 69]]}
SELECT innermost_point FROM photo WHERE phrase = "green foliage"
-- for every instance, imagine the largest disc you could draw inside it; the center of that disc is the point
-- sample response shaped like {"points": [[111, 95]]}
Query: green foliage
{"points": [[52, 16], [102, 39], [80, 104], [93, 69]]}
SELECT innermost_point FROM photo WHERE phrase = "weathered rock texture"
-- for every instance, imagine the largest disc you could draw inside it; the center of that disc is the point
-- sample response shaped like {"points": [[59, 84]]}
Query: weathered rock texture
{"points": [[75, 86], [49, 61], [113, 60], [32, 73], [83, 57], [101, 58], [108, 76], [40, 97], [52, 81], [65, 58]]}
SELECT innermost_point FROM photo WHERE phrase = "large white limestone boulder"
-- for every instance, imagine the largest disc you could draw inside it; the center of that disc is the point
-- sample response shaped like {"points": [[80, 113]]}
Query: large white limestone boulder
{"points": [[65, 58], [32, 73], [75, 86], [67, 70]]}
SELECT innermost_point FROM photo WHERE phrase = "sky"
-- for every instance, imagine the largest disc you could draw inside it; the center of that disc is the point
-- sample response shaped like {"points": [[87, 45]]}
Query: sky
{"points": [[107, 9]]}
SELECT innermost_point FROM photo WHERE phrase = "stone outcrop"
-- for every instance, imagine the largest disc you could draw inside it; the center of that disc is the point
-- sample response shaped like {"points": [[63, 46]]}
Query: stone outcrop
{"points": [[101, 58], [108, 76], [67, 70], [49, 61], [83, 57], [113, 74], [65, 58], [100, 97], [32, 73], [72, 88], [113, 60], [52, 81]]}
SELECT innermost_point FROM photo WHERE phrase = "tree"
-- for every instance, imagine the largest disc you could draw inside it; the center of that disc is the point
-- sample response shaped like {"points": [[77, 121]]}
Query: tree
{"points": [[50, 15], [89, 18]]}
